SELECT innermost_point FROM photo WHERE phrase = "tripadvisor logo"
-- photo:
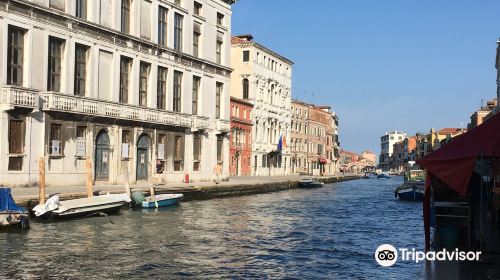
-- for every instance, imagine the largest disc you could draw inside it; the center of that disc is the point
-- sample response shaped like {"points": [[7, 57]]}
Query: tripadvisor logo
{"points": [[387, 255]]}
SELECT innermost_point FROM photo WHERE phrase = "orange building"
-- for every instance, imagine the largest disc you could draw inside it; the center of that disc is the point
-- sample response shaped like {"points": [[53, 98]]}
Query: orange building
{"points": [[240, 148]]}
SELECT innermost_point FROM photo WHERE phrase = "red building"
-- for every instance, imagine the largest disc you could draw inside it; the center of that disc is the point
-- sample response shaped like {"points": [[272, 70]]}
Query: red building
{"points": [[240, 149]]}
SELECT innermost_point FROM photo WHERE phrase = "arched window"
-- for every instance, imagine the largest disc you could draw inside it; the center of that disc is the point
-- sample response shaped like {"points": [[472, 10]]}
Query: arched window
{"points": [[245, 88]]}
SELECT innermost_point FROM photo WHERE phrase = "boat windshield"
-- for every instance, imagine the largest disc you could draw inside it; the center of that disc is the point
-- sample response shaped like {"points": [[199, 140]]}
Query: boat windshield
{"points": [[416, 175]]}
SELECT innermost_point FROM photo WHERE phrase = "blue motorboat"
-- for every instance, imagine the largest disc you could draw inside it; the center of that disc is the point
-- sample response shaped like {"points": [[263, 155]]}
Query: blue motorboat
{"points": [[383, 176], [10, 213], [162, 200]]}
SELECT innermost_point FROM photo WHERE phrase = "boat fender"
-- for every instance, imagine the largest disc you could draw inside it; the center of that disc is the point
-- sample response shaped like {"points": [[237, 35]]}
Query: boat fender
{"points": [[9, 219]]}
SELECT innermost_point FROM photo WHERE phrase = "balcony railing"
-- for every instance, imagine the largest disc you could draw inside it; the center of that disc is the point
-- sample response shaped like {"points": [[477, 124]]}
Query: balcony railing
{"points": [[94, 107], [12, 96]]}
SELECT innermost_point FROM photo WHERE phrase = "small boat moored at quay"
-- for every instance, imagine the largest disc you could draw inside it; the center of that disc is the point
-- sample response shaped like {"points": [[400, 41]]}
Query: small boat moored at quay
{"points": [[308, 183], [107, 204], [383, 176], [11, 215], [413, 188], [162, 200], [412, 191]]}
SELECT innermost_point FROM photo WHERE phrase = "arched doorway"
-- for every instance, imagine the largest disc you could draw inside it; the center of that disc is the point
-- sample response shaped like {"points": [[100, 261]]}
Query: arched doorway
{"points": [[102, 156], [142, 157]]}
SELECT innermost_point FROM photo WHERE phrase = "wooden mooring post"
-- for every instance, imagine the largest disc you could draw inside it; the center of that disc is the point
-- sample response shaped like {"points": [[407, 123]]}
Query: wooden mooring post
{"points": [[90, 183], [41, 180]]}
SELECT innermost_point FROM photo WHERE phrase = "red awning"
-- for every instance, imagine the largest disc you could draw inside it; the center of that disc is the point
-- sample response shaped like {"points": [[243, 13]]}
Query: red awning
{"points": [[453, 164], [323, 160]]}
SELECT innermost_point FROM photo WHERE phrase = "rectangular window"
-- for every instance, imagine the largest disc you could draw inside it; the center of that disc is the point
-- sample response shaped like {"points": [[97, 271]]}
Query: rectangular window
{"points": [[220, 19], [220, 142], [246, 56], [145, 19], [80, 69], [57, 4], [196, 89], [104, 12], [125, 16], [177, 91], [15, 56], [162, 26], [125, 65], [218, 93], [143, 84], [81, 9], [178, 3], [161, 88], [16, 144], [126, 144], [178, 32], [55, 64], [16, 137], [81, 147], [196, 152], [218, 51], [178, 153], [196, 39], [56, 139], [197, 8], [162, 139]]}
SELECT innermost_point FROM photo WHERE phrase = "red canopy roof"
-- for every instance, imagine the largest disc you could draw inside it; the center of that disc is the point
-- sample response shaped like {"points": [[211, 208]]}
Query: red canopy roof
{"points": [[454, 162]]}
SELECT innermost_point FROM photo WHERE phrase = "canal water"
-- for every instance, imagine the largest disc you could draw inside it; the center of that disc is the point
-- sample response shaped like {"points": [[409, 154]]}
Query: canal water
{"points": [[328, 233]]}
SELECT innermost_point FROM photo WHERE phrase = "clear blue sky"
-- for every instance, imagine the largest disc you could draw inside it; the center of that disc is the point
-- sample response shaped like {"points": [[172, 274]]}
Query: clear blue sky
{"points": [[383, 64]]}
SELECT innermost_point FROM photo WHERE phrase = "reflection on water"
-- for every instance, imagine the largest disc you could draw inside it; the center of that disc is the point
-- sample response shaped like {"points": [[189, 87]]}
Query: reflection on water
{"points": [[321, 233]]}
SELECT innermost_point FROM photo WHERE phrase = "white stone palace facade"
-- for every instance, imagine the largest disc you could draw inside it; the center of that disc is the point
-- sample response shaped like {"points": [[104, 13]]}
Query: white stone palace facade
{"points": [[264, 78], [132, 85]]}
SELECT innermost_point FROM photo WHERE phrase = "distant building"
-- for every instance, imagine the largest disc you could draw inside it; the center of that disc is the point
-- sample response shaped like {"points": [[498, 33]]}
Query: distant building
{"points": [[434, 138], [386, 147], [314, 141], [482, 114], [264, 78], [397, 159], [370, 156], [410, 146], [240, 148]]}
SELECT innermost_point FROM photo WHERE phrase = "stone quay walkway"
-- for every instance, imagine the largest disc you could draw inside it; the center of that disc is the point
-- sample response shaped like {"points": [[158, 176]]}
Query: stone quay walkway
{"points": [[240, 185]]}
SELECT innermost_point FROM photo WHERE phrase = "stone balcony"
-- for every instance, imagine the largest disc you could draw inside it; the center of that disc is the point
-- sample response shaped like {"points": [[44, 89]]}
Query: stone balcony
{"points": [[13, 96], [223, 126], [200, 123], [101, 108]]}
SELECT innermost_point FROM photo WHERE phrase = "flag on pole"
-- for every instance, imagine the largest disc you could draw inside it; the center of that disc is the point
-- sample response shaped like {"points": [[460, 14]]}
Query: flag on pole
{"points": [[280, 144]]}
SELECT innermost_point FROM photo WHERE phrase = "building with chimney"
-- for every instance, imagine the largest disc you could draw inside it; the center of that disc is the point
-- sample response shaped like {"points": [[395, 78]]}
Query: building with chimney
{"points": [[264, 78], [135, 87]]}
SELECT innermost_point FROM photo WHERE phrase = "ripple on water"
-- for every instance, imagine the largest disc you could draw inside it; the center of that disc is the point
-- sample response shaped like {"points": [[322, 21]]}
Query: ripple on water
{"points": [[328, 233]]}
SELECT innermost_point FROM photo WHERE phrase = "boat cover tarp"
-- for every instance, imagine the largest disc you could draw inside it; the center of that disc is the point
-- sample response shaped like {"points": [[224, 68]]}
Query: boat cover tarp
{"points": [[7, 202], [454, 163]]}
